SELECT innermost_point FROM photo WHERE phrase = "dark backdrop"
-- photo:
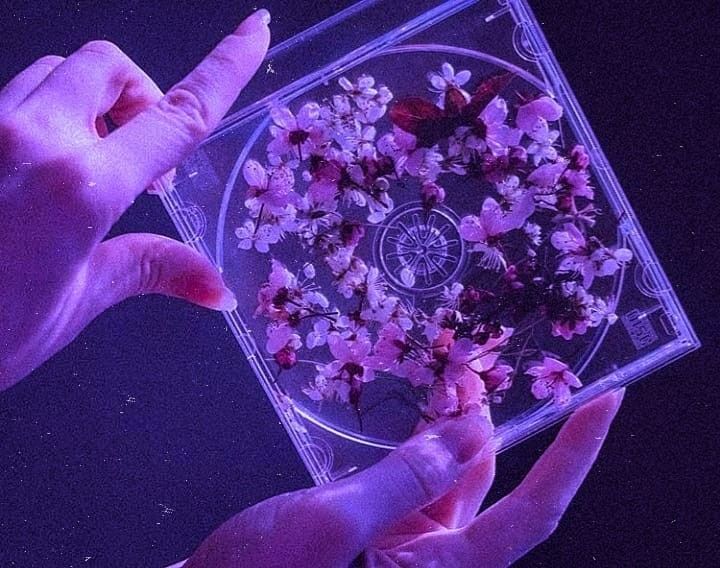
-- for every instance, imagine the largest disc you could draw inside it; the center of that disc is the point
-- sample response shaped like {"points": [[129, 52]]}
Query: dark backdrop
{"points": [[131, 445]]}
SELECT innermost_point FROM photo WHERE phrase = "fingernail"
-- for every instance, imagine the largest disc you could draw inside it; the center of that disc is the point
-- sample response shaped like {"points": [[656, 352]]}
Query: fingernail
{"points": [[253, 23], [619, 396], [226, 301]]}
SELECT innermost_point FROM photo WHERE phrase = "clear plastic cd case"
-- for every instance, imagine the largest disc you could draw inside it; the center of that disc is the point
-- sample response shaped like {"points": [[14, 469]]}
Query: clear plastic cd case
{"points": [[416, 218]]}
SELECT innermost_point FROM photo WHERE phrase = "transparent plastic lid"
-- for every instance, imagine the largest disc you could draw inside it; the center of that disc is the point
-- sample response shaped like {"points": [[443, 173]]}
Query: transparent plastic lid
{"points": [[416, 217]]}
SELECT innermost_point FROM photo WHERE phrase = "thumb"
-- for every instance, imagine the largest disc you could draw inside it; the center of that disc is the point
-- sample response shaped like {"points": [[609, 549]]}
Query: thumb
{"points": [[139, 263], [419, 472], [330, 525]]}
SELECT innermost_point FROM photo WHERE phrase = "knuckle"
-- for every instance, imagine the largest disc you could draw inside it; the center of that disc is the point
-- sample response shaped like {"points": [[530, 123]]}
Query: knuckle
{"points": [[150, 269], [103, 47], [184, 105], [49, 61], [430, 470]]}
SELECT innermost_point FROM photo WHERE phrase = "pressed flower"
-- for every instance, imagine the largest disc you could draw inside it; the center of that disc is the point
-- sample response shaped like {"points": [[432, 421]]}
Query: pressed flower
{"points": [[354, 167], [552, 378], [486, 230], [543, 146], [260, 236], [587, 258], [283, 343], [271, 188], [447, 80], [318, 336], [530, 115], [498, 135], [295, 136]]}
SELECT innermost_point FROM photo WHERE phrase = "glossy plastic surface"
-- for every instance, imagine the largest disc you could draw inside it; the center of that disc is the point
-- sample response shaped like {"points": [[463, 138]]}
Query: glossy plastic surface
{"points": [[398, 48]]}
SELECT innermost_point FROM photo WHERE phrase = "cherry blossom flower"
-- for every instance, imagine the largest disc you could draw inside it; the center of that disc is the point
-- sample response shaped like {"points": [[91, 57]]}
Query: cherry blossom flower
{"points": [[349, 367], [259, 236], [485, 231], [371, 101], [351, 160], [543, 145], [283, 343], [318, 336], [363, 88], [533, 119], [498, 135], [323, 388], [271, 189], [510, 189], [446, 80], [546, 178], [533, 233], [552, 378], [295, 136], [587, 258], [530, 115], [569, 313], [391, 350], [432, 194], [500, 166], [283, 296], [603, 310], [349, 270]]}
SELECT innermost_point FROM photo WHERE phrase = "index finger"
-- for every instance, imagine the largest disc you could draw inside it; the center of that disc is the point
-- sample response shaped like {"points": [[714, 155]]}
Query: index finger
{"points": [[528, 516], [160, 137]]}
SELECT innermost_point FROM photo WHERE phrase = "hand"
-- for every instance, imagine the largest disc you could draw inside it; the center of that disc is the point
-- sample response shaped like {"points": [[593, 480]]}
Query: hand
{"points": [[418, 507], [64, 181]]}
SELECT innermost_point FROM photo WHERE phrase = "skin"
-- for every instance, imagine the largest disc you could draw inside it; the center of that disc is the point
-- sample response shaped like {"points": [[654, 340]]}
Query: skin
{"points": [[63, 185]]}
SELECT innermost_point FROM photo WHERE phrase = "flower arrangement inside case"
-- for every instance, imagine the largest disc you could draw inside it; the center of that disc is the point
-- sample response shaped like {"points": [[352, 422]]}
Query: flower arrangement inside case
{"points": [[451, 305]]}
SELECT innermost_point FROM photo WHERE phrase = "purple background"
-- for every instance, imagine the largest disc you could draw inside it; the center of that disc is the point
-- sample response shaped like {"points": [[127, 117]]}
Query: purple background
{"points": [[131, 445]]}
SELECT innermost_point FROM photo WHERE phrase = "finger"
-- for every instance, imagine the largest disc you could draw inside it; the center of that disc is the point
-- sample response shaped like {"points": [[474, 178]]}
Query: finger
{"points": [[97, 79], [528, 516], [18, 89], [330, 525], [136, 264], [161, 137], [461, 504], [416, 474]]}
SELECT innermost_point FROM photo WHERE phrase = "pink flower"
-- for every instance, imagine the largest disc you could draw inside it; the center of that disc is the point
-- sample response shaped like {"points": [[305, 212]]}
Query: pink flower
{"points": [[391, 349], [282, 297], [295, 136], [534, 112], [553, 378], [533, 119], [343, 378], [283, 344], [498, 135], [431, 194], [446, 80], [546, 177], [498, 378], [272, 189], [280, 336], [486, 230], [589, 259], [579, 159]]}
